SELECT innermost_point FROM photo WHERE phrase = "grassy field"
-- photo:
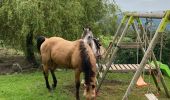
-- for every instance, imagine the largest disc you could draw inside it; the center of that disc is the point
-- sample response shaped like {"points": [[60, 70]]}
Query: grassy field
{"points": [[31, 86]]}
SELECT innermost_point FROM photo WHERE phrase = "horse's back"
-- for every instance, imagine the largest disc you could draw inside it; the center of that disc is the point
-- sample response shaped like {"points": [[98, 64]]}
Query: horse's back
{"points": [[59, 50]]}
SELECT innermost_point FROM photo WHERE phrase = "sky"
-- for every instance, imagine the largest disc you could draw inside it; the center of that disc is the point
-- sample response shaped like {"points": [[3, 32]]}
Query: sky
{"points": [[143, 5]]}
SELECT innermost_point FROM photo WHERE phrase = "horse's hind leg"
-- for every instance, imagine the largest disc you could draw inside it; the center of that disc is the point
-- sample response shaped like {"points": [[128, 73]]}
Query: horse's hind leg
{"points": [[54, 79], [77, 81], [45, 72]]}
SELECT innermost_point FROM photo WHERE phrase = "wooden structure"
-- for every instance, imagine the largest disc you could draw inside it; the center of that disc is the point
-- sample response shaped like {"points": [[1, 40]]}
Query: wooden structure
{"points": [[133, 19], [126, 67]]}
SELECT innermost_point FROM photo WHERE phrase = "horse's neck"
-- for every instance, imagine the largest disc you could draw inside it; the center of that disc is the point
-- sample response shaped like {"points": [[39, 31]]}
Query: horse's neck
{"points": [[93, 46]]}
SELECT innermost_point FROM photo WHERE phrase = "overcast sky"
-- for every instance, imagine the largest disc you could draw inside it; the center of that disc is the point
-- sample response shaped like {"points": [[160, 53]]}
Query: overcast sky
{"points": [[143, 5]]}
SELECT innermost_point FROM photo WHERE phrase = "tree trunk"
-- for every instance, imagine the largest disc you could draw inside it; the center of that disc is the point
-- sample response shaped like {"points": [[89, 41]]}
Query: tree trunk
{"points": [[30, 50]]}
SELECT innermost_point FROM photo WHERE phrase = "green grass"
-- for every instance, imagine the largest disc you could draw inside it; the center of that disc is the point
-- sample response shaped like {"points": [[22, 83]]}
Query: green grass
{"points": [[31, 86]]}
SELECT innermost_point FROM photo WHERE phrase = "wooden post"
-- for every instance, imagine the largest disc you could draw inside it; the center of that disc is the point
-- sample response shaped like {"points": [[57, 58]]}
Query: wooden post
{"points": [[161, 27], [114, 53], [121, 25], [155, 81]]}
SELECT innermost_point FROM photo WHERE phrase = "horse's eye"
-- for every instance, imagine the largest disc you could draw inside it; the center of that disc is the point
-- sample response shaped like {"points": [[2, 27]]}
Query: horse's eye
{"points": [[93, 86], [89, 37]]}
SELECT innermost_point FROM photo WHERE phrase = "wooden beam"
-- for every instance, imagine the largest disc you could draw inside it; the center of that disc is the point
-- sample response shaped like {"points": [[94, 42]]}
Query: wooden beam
{"points": [[114, 52], [156, 15], [118, 32], [130, 45]]}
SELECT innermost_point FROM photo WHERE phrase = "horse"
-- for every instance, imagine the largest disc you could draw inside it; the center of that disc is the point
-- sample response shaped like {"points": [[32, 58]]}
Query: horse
{"points": [[57, 52], [94, 43]]}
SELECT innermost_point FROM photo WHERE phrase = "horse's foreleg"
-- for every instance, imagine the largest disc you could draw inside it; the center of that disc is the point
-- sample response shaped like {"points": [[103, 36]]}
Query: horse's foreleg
{"points": [[54, 79], [77, 81], [45, 72]]}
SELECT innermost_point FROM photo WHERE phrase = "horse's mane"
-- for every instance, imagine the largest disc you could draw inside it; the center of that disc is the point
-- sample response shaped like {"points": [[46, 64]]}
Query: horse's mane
{"points": [[86, 64]]}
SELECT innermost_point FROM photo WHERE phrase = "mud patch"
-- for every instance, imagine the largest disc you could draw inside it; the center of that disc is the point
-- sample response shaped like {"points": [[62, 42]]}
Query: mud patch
{"points": [[12, 62]]}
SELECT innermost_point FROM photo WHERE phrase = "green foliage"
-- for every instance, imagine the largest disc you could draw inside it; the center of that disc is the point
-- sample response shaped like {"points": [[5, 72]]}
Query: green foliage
{"points": [[128, 56], [165, 58], [105, 40], [107, 25], [166, 49], [50, 18]]}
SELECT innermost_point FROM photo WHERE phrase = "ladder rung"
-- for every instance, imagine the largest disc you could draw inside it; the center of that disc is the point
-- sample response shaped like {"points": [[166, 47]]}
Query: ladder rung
{"points": [[130, 45]]}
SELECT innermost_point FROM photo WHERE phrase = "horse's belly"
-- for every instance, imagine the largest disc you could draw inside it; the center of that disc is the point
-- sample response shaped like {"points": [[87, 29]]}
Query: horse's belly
{"points": [[61, 60], [64, 67]]}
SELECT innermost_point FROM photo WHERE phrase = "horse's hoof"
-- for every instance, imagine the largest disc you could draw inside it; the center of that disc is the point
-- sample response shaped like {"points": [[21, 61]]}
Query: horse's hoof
{"points": [[50, 89], [53, 86], [51, 93], [77, 98]]}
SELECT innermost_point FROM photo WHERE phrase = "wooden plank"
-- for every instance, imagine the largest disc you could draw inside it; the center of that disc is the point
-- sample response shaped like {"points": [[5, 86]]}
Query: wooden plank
{"points": [[127, 67], [113, 67], [147, 66], [123, 67], [104, 67], [118, 67], [130, 45], [135, 66], [151, 96], [144, 67], [131, 67]]}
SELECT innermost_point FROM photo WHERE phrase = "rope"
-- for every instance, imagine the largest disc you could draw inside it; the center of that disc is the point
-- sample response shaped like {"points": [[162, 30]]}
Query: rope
{"points": [[148, 28], [137, 52], [149, 88], [160, 57], [161, 46]]}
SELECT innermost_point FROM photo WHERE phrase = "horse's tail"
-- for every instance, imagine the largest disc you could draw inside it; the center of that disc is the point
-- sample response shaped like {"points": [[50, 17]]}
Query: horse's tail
{"points": [[86, 64], [40, 40]]}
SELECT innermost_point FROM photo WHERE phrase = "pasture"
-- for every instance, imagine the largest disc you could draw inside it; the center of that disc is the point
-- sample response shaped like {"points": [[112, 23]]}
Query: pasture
{"points": [[31, 86]]}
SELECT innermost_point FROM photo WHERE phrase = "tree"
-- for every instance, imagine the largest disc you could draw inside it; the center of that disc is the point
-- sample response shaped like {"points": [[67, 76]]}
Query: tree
{"points": [[22, 20]]}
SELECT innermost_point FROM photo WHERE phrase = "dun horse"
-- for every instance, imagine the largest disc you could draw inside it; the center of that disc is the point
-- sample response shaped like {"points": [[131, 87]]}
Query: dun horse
{"points": [[57, 52]]}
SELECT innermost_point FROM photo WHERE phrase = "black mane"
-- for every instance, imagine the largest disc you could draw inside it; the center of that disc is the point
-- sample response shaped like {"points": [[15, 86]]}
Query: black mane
{"points": [[86, 64]]}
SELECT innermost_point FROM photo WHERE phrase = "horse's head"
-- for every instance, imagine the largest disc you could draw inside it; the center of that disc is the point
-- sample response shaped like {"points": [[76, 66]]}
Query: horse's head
{"points": [[87, 37]]}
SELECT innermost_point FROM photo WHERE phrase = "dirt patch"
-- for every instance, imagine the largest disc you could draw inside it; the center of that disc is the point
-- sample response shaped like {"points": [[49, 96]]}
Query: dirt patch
{"points": [[11, 61]]}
